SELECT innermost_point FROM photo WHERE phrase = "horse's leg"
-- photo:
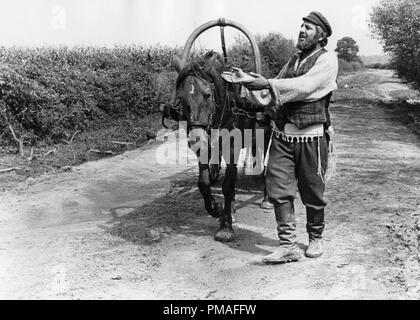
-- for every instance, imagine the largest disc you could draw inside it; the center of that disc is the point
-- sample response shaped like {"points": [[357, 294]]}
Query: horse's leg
{"points": [[215, 167], [266, 204], [225, 232], [212, 207]]}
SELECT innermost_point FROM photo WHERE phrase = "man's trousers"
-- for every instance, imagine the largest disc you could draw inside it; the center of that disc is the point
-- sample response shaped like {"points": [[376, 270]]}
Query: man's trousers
{"points": [[297, 165]]}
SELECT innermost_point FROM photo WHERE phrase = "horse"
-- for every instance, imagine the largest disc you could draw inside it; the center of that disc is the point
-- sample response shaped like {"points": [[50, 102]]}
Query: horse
{"points": [[210, 103]]}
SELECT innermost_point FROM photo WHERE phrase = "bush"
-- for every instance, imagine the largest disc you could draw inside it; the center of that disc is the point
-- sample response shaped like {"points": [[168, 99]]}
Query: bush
{"points": [[345, 66], [356, 65], [379, 66], [48, 93], [275, 52]]}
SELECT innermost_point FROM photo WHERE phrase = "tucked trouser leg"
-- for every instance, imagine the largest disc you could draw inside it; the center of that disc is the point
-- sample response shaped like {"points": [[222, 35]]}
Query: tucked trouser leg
{"points": [[286, 225], [315, 223], [311, 184], [281, 188], [314, 227]]}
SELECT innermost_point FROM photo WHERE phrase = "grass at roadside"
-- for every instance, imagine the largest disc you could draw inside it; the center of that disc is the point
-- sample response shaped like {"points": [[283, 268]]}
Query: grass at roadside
{"points": [[115, 137], [405, 113]]}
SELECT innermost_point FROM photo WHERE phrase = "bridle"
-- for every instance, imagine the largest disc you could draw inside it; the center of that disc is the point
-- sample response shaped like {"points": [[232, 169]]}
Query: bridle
{"points": [[225, 106], [207, 126]]}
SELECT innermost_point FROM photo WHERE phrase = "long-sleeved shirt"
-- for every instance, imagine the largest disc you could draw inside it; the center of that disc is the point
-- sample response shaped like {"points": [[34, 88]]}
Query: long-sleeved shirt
{"points": [[320, 80]]}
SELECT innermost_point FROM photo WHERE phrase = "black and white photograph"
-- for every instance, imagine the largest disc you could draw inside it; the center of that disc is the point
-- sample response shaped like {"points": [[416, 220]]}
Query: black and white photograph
{"points": [[209, 150]]}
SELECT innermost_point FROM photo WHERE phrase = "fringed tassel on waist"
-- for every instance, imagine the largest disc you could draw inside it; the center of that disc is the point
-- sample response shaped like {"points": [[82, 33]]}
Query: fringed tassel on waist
{"points": [[320, 172], [267, 154], [331, 168], [295, 138]]}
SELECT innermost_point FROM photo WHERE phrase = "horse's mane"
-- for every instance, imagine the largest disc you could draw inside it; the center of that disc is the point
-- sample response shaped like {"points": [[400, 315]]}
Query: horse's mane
{"points": [[208, 67]]}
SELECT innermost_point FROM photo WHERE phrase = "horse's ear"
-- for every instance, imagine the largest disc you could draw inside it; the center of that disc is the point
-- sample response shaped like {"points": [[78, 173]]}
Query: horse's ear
{"points": [[177, 63], [213, 63]]}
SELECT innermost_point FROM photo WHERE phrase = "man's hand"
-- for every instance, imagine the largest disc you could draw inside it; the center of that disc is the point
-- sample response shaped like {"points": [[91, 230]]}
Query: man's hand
{"points": [[258, 83]]}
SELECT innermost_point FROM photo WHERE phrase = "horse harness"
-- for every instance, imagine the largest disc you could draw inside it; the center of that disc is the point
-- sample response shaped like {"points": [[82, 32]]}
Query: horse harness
{"points": [[257, 113]]}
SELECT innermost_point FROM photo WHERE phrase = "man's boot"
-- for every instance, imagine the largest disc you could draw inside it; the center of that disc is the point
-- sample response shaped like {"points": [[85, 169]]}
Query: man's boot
{"points": [[314, 226], [286, 228]]}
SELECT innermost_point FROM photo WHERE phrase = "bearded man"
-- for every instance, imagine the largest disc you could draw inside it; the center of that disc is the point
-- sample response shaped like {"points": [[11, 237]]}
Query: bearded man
{"points": [[298, 100]]}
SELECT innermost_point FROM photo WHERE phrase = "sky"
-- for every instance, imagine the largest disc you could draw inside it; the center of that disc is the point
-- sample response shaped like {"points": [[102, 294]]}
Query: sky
{"points": [[170, 22]]}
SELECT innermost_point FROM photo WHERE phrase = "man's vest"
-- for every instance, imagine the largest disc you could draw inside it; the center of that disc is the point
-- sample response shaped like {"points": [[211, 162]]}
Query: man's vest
{"points": [[303, 114]]}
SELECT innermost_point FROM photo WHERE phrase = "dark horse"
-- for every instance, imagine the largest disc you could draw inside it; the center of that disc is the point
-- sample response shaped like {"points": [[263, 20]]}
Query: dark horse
{"points": [[208, 102]]}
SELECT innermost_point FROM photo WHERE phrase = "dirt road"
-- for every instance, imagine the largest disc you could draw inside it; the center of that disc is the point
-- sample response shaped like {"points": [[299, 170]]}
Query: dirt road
{"points": [[129, 228]]}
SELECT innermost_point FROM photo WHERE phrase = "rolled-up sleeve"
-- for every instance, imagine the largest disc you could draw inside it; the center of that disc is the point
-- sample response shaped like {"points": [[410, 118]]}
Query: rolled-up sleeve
{"points": [[320, 80]]}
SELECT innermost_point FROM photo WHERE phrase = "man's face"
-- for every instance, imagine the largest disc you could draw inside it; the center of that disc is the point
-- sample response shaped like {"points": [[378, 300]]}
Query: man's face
{"points": [[308, 37]]}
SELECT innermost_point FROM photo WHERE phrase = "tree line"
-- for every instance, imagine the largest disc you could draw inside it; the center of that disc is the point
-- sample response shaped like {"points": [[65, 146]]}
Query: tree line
{"points": [[276, 50], [396, 23]]}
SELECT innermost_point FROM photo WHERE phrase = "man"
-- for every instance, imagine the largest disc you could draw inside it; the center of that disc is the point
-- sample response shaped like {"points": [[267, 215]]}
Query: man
{"points": [[298, 100]]}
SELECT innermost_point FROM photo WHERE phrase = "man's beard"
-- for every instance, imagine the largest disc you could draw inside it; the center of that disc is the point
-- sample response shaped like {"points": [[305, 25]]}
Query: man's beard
{"points": [[308, 45]]}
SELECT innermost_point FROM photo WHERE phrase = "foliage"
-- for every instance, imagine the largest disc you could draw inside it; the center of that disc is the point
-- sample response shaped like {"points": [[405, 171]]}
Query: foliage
{"points": [[345, 66], [372, 59], [49, 93], [379, 65], [347, 49], [275, 51], [396, 24]]}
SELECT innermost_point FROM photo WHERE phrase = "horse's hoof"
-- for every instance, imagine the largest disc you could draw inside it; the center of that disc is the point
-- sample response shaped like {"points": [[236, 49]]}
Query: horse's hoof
{"points": [[265, 204], [224, 235]]}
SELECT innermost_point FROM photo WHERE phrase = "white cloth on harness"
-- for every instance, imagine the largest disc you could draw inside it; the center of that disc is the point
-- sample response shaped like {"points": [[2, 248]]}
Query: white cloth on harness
{"points": [[291, 133]]}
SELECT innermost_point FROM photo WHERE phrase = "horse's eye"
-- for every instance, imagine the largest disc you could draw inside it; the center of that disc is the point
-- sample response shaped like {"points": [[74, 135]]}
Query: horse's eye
{"points": [[207, 95]]}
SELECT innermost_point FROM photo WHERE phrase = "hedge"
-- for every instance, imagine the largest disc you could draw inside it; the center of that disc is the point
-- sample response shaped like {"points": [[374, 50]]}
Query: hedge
{"points": [[48, 93]]}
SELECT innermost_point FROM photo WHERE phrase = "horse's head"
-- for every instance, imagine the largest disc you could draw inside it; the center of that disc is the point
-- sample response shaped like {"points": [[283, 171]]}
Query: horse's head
{"points": [[199, 89]]}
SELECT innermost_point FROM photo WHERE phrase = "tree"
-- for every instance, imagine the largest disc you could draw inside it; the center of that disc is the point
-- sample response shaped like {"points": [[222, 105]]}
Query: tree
{"points": [[396, 24], [347, 49], [275, 51]]}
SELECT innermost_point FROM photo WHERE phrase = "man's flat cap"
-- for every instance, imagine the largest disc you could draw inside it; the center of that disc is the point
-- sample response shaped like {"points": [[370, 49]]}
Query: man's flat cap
{"points": [[318, 19]]}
